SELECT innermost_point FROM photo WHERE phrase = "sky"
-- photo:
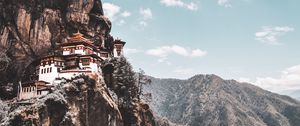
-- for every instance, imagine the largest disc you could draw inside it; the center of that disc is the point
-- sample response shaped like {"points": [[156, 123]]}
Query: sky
{"points": [[255, 41]]}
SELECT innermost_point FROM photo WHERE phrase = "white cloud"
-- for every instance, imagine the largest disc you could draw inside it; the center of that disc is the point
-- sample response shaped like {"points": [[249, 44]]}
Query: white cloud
{"points": [[225, 3], [270, 35], [288, 80], [146, 13], [111, 10], [121, 22], [126, 14], [129, 51], [178, 3], [165, 51], [143, 23], [115, 14], [164, 60]]}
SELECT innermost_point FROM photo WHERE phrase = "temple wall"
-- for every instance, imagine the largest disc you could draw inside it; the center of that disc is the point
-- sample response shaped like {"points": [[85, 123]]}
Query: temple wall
{"points": [[24, 94], [50, 76], [66, 53], [80, 51]]}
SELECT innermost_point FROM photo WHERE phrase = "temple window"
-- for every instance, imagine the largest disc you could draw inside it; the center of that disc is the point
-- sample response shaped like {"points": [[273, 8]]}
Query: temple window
{"points": [[104, 55], [85, 61], [72, 50], [50, 69]]}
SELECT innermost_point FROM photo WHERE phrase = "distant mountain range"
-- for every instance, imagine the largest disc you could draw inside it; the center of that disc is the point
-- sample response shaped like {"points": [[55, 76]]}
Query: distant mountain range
{"points": [[208, 100], [295, 94]]}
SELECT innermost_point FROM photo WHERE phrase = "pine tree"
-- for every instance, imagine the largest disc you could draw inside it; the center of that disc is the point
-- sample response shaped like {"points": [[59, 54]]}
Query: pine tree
{"points": [[142, 80], [123, 81]]}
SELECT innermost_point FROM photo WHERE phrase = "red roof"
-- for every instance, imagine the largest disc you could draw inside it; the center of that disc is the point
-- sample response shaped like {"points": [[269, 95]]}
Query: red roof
{"points": [[77, 39]]}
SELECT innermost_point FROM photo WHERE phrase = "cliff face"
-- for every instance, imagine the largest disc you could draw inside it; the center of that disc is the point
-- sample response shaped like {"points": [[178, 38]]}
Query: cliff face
{"points": [[82, 101], [30, 29], [77, 102], [209, 100]]}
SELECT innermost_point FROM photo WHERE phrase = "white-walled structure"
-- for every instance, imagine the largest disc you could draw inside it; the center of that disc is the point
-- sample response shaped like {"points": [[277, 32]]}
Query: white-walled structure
{"points": [[34, 90], [78, 56], [118, 48]]}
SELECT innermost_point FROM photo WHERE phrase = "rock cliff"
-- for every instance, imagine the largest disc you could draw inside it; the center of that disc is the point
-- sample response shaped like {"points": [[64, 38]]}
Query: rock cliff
{"points": [[30, 29], [77, 102]]}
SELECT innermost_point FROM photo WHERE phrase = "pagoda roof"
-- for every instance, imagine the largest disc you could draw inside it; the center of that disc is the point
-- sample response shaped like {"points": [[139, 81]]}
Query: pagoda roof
{"points": [[119, 42], [77, 39], [72, 43]]}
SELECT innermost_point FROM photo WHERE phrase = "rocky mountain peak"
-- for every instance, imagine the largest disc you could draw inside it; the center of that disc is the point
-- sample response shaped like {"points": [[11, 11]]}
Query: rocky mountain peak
{"points": [[209, 100]]}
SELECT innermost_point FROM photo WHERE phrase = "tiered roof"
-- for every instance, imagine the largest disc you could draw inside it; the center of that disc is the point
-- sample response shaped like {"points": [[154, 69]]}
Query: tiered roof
{"points": [[77, 39], [118, 41]]}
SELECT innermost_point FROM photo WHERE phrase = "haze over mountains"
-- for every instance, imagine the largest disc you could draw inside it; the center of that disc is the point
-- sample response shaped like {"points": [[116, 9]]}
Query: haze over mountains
{"points": [[209, 100], [295, 94]]}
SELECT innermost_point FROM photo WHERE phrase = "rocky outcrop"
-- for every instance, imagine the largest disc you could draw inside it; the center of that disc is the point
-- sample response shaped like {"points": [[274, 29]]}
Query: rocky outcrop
{"points": [[3, 110], [81, 101], [30, 29], [209, 100], [77, 102]]}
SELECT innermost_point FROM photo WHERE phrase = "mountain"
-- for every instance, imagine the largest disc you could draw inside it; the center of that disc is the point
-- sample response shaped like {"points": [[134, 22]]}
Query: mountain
{"points": [[81, 101], [71, 103], [294, 93], [30, 29], [208, 100]]}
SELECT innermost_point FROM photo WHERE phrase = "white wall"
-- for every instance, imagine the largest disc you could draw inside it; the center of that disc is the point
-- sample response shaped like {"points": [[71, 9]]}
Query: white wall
{"points": [[80, 51], [26, 94], [44, 93], [66, 53], [115, 52], [94, 67], [48, 77]]}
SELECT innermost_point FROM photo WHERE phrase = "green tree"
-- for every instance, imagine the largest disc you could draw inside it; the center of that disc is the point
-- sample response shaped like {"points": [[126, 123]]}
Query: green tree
{"points": [[142, 80], [123, 81]]}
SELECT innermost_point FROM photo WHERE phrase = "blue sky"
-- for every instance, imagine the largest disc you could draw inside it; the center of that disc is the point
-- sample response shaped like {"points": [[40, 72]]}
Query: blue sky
{"points": [[253, 41]]}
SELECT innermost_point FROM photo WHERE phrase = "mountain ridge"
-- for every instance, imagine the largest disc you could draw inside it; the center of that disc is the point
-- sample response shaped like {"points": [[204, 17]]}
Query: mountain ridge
{"points": [[210, 100]]}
